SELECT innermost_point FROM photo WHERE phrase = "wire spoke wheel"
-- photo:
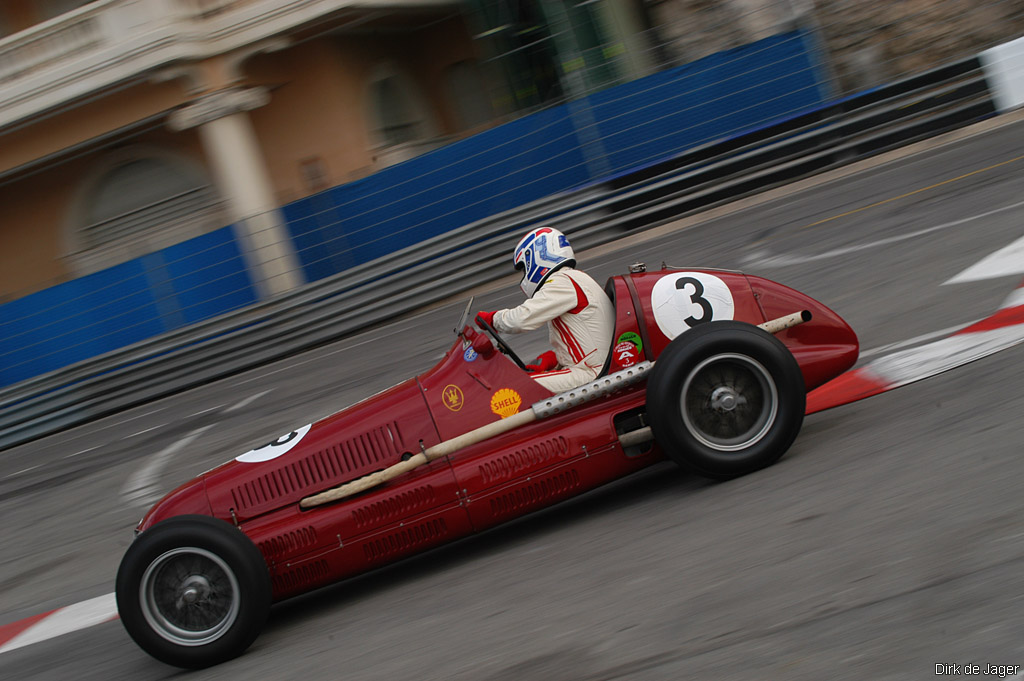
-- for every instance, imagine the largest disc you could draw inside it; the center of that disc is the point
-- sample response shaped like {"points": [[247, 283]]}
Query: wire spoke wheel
{"points": [[729, 402], [189, 596], [193, 591], [725, 399]]}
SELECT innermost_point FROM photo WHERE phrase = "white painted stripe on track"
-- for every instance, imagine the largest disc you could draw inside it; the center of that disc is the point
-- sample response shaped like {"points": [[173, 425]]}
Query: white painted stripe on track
{"points": [[765, 259], [82, 451], [66, 620], [916, 364], [23, 470], [1015, 299], [146, 430], [1006, 261], [247, 401], [142, 487], [882, 349], [206, 411]]}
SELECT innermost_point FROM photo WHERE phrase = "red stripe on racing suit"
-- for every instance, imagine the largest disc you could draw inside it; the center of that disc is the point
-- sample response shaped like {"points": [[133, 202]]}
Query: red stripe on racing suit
{"points": [[581, 338]]}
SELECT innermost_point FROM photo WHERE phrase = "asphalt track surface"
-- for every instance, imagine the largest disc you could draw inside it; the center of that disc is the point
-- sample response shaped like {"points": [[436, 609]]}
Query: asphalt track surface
{"points": [[889, 540]]}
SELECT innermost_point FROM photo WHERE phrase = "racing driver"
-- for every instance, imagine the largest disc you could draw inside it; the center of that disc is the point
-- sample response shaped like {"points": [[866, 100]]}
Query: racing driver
{"points": [[578, 312]]}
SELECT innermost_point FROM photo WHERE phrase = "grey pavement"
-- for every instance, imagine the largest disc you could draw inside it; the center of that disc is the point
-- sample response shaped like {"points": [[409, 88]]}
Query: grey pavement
{"points": [[890, 539]]}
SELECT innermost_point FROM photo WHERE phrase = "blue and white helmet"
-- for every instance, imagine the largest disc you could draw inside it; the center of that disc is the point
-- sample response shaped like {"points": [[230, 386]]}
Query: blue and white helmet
{"points": [[539, 254]]}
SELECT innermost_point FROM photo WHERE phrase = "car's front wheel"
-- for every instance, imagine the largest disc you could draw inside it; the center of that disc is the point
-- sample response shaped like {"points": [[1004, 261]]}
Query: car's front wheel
{"points": [[725, 399], [193, 591]]}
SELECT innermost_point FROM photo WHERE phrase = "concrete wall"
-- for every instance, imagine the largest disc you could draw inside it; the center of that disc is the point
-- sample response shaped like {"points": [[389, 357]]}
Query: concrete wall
{"points": [[866, 43]]}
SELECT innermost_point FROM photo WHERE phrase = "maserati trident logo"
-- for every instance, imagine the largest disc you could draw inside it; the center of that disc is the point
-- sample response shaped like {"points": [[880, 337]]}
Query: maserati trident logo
{"points": [[452, 397]]}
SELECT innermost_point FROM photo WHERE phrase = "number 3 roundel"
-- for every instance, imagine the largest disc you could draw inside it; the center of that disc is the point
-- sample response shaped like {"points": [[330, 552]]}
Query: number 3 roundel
{"points": [[683, 300], [275, 448]]}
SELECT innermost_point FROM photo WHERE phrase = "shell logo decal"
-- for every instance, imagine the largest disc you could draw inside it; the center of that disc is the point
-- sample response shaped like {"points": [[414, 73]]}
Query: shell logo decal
{"points": [[452, 397], [506, 402]]}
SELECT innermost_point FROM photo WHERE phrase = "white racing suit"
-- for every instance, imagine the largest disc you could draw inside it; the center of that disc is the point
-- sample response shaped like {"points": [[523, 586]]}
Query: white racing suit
{"points": [[580, 319]]}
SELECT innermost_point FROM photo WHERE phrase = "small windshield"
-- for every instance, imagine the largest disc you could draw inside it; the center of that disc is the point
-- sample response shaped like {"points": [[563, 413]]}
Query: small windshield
{"points": [[465, 316]]}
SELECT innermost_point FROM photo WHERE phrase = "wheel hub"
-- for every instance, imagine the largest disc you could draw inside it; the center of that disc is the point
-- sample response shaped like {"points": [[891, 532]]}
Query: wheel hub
{"points": [[189, 596], [194, 588], [724, 398], [729, 402]]}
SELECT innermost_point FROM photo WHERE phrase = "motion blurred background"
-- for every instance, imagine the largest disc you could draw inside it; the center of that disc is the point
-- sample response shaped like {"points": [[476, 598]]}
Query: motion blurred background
{"points": [[269, 209], [183, 180]]}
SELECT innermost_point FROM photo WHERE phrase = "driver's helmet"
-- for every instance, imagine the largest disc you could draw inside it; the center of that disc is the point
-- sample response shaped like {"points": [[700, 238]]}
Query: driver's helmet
{"points": [[539, 254]]}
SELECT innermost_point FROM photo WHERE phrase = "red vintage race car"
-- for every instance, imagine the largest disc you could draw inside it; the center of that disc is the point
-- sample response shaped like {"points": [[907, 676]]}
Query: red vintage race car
{"points": [[459, 449]]}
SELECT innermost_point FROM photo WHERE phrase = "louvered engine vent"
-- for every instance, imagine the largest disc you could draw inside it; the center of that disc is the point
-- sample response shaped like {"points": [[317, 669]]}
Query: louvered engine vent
{"points": [[302, 576], [376, 448], [508, 466], [289, 542], [395, 506], [404, 539], [535, 493]]}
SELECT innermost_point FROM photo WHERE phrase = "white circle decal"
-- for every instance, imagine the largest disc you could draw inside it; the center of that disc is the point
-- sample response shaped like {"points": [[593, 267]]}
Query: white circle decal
{"points": [[682, 300], [274, 449]]}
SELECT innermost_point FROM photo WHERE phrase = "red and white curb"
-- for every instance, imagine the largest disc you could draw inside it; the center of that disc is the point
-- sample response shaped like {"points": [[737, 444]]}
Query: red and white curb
{"points": [[58, 622], [1002, 330]]}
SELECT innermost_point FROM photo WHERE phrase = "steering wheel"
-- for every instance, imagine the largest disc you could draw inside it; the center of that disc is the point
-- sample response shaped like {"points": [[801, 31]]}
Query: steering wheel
{"points": [[506, 349]]}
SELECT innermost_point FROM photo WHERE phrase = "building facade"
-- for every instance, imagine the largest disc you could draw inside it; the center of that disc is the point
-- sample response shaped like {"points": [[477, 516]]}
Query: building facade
{"points": [[165, 161], [129, 125]]}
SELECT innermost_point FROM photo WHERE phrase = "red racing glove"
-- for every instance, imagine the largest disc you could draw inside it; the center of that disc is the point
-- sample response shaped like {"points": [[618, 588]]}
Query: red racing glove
{"points": [[545, 362], [487, 317]]}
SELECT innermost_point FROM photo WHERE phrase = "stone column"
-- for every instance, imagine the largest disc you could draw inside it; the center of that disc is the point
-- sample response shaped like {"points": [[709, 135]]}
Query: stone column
{"points": [[241, 177]]}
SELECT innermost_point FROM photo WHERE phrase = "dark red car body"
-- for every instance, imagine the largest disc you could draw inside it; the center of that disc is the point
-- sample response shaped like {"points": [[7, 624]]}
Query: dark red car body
{"points": [[483, 485]]}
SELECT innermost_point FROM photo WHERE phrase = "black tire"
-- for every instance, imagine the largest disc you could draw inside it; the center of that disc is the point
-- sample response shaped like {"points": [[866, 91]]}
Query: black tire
{"points": [[725, 399], [193, 591]]}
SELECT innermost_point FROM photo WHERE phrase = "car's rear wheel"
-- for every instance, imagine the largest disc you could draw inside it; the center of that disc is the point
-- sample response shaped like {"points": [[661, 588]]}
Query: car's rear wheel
{"points": [[725, 399], [193, 591]]}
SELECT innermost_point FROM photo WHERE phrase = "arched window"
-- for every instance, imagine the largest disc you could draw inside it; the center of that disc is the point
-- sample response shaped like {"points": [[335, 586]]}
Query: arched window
{"points": [[397, 115], [140, 196], [137, 203]]}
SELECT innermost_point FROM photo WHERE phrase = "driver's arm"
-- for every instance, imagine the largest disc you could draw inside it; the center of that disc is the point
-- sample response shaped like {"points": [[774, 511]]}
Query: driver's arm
{"points": [[557, 296]]}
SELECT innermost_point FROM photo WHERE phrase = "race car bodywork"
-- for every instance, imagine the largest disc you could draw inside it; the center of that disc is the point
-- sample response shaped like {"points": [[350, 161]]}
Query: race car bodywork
{"points": [[195, 586]]}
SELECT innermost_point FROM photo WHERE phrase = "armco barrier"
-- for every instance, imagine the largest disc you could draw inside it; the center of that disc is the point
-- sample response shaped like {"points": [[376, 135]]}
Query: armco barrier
{"points": [[373, 293]]}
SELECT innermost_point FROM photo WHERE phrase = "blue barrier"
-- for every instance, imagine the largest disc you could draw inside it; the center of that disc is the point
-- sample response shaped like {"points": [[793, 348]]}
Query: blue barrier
{"points": [[544, 153], [121, 305], [468, 180], [553, 150], [719, 96]]}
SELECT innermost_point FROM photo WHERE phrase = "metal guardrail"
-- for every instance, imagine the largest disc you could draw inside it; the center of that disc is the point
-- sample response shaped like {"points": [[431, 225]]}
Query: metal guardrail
{"points": [[375, 292]]}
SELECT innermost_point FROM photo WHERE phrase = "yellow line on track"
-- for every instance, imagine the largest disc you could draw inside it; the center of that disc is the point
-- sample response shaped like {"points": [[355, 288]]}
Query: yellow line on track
{"points": [[916, 191]]}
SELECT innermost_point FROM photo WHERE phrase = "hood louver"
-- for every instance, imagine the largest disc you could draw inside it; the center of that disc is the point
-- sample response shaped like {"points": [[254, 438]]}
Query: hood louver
{"points": [[351, 458]]}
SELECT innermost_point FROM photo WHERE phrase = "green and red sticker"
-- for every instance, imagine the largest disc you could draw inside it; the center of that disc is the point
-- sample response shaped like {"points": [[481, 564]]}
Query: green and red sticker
{"points": [[627, 350]]}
